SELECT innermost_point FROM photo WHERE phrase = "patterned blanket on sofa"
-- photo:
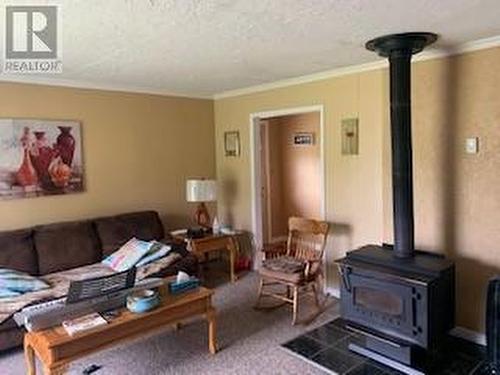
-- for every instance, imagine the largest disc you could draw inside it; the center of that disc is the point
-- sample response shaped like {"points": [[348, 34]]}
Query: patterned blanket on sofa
{"points": [[59, 282]]}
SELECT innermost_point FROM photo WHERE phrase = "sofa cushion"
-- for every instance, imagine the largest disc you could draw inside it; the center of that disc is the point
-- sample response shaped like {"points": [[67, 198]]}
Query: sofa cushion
{"points": [[66, 245], [17, 251], [116, 230]]}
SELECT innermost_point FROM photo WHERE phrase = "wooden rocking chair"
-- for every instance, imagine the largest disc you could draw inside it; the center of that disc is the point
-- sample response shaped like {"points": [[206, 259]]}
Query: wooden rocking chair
{"points": [[296, 264]]}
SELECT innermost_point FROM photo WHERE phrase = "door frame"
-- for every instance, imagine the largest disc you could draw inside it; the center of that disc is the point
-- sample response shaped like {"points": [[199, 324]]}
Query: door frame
{"points": [[266, 180], [255, 160]]}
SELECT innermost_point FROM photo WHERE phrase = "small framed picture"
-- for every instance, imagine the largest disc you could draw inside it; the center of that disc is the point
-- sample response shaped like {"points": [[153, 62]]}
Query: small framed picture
{"points": [[232, 143], [350, 137], [303, 139]]}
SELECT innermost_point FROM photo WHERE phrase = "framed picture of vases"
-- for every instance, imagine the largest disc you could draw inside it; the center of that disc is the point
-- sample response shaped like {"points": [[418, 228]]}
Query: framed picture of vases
{"points": [[40, 157]]}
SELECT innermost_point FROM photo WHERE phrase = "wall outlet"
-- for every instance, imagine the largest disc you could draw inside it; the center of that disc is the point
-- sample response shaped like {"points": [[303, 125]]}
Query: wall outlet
{"points": [[472, 145]]}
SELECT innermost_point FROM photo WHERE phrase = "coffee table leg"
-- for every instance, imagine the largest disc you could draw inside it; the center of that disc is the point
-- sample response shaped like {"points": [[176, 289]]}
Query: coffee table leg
{"points": [[59, 370], [29, 354], [212, 339]]}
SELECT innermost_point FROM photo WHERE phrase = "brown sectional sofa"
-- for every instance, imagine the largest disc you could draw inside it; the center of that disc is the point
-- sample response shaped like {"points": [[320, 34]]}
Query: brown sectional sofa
{"points": [[57, 247]]}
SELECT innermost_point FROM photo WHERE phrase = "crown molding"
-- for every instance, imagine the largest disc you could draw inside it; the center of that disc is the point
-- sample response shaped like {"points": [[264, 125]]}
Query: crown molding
{"points": [[57, 82], [478, 44], [379, 64], [320, 76]]}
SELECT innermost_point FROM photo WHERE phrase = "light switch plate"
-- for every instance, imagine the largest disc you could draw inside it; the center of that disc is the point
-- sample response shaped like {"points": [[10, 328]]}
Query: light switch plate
{"points": [[472, 145]]}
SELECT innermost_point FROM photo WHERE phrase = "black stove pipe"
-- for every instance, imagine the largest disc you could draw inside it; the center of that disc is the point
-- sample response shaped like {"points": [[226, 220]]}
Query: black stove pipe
{"points": [[399, 48]]}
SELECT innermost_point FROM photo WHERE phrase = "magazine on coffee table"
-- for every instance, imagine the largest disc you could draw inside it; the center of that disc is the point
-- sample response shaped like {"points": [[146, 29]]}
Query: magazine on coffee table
{"points": [[83, 323]]}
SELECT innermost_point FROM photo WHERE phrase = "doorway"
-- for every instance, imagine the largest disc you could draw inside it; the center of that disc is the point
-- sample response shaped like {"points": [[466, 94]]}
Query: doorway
{"points": [[288, 166]]}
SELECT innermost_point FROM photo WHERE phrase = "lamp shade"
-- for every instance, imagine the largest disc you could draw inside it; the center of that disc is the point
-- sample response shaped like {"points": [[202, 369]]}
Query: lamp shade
{"points": [[198, 190]]}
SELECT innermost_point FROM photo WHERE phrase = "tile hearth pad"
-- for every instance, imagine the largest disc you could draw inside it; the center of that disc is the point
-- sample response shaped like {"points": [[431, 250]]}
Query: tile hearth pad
{"points": [[327, 347]]}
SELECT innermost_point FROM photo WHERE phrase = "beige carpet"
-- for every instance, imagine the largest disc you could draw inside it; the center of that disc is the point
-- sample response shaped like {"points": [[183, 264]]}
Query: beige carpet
{"points": [[249, 342]]}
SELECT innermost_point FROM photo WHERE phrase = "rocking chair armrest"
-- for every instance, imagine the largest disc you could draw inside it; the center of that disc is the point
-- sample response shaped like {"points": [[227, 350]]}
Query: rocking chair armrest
{"points": [[274, 250]]}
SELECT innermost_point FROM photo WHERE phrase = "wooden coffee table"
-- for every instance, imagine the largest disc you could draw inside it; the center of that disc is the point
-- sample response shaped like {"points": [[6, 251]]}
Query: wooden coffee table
{"points": [[56, 349]]}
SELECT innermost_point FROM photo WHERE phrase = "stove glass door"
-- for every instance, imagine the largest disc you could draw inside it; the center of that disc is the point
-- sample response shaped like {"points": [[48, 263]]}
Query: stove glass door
{"points": [[385, 305], [380, 301]]}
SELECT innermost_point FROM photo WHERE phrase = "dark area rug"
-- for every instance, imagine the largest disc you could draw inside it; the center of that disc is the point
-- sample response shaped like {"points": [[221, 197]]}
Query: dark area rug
{"points": [[327, 347]]}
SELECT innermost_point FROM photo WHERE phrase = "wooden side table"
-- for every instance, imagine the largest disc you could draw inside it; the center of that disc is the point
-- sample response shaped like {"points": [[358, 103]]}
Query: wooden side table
{"points": [[213, 242]]}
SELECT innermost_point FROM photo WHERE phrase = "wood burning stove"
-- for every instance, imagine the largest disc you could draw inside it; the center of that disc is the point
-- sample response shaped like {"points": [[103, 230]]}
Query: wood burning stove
{"points": [[401, 299], [405, 307]]}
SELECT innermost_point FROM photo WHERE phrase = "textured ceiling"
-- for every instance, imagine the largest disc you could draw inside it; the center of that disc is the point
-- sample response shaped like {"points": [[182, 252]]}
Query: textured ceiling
{"points": [[202, 47]]}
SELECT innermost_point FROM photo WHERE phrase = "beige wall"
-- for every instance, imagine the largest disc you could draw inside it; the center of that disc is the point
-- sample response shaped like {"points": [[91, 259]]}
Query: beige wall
{"points": [[295, 171], [353, 183], [457, 196], [138, 151]]}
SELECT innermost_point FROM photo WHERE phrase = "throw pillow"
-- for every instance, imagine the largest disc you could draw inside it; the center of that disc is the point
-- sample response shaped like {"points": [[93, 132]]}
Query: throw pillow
{"points": [[128, 255], [20, 282]]}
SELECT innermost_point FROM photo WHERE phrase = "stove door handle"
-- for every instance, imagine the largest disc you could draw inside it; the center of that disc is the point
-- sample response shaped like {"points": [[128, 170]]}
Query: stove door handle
{"points": [[344, 274]]}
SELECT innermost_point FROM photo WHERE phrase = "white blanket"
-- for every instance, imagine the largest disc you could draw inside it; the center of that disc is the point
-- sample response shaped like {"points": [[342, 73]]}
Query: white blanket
{"points": [[59, 282]]}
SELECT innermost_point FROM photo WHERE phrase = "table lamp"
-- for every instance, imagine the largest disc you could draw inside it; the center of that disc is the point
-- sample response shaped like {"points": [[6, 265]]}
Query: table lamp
{"points": [[201, 191]]}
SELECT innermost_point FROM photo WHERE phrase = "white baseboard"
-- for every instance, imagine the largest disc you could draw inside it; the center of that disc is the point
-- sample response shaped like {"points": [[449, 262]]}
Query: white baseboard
{"points": [[334, 292], [469, 335]]}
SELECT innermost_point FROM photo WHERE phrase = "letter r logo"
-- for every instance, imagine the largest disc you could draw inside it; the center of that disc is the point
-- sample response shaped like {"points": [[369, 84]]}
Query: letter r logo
{"points": [[31, 32]]}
